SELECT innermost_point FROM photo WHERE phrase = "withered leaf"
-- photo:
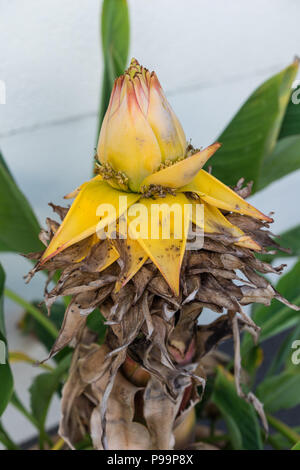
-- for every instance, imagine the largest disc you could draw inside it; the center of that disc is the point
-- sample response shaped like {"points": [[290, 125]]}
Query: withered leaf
{"points": [[157, 405]]}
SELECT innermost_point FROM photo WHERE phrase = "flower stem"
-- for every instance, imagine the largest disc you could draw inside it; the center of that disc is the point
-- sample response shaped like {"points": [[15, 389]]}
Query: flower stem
{"points": [[7, 440], [36, 313], [16, 402], [285, 430]]}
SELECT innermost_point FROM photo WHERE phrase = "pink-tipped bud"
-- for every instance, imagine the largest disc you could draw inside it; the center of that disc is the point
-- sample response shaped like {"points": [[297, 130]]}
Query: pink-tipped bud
{"points": [[139, 130]]}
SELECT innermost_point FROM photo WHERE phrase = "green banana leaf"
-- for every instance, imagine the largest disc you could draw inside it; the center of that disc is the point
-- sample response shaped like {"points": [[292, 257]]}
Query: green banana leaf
{"points": [[115, 45], [250, 138], [240, 417], [19, 227]]}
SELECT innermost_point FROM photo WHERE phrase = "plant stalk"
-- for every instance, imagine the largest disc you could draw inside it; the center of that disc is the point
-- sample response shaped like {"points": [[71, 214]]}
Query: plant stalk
{"points": [[285, 430], [36, 313]]}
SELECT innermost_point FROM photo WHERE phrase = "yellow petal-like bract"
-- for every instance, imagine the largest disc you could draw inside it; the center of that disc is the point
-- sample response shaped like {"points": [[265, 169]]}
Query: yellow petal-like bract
{"points": [[84, 219], [181, 173], [214, 221], [217, 194], [133, 259], [164, 240]]}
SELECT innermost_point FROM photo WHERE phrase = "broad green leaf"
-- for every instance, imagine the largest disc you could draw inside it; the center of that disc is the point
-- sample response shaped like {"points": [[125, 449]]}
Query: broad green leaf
{"points": [[240, 417], [280, 392], [277, 317], [6, 440], [115, 45], [296, 446], [43, 388], [6, 379], [235, 433], [252, 134], [283, 160], [19, 227], [291, 121]]}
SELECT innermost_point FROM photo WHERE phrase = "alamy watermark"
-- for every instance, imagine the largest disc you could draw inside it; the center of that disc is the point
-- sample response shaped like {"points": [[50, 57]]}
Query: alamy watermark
{"points": [[296, 354], [296, 93], [156, 221]]}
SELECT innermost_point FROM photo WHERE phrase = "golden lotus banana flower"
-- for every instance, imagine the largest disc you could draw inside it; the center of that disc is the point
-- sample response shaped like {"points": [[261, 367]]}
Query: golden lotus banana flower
{"points": [[150, 288], [143, 153]]}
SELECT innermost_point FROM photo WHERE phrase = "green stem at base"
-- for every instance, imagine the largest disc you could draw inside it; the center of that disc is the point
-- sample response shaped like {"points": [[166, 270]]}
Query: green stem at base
{"points": [[36, 313], [43, 436], [7, 440], [285, 430]]}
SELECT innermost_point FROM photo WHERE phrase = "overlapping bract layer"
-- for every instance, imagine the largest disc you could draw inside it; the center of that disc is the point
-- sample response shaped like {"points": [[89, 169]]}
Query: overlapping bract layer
{"points": [[148, 323], [143, 153], [82, 220]]}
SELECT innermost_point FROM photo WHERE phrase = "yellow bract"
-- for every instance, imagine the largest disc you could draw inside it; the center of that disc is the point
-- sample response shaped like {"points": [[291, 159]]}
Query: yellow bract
{"points": [[217, 194], [214, 221], [165, 253], [83, 218], [133, 260], [111, 255], [183, 172]]}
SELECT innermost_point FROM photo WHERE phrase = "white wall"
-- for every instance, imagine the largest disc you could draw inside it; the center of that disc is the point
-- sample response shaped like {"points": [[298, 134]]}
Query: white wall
{"points": [[209, 56]]}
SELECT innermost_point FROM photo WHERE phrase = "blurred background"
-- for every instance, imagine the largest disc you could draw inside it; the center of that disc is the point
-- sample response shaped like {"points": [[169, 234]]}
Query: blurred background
{"points": [[209, 56]]}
